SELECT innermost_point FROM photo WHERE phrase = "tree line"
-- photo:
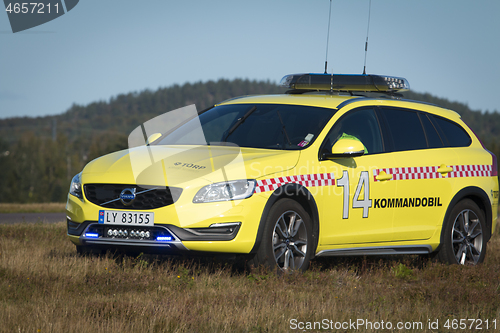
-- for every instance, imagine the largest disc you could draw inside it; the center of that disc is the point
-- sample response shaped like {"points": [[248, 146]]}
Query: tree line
{"points": [[40, 155]]}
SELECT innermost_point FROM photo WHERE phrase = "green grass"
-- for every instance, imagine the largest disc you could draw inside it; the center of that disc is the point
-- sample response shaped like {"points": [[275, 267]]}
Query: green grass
{"points": [[46, 287], [51, 207]]}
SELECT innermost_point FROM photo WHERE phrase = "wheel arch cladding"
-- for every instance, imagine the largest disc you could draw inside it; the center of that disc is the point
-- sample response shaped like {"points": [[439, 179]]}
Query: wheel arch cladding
{"points": [[481, 199], [301, 195]]}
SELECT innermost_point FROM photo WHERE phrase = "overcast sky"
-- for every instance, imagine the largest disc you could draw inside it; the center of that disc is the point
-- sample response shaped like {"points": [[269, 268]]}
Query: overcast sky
{"points": [[102, 48]]}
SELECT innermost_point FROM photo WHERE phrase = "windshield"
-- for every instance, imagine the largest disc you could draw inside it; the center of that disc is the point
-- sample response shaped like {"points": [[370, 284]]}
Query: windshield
{"points": [[271, 126]]}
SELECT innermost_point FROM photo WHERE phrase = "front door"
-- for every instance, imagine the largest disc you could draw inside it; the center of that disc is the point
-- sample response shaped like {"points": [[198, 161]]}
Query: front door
{"points": [[351, 213]]}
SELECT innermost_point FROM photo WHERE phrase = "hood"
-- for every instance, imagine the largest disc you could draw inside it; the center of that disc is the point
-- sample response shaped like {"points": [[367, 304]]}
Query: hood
{"points": [[183, 165]]}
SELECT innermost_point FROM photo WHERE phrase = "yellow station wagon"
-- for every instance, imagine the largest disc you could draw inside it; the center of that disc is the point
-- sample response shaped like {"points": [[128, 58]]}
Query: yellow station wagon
{"points": [[330, 168]]}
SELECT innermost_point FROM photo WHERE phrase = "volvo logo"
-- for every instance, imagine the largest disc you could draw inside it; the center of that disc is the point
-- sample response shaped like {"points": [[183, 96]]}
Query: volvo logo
{"points": [[127, 196]]}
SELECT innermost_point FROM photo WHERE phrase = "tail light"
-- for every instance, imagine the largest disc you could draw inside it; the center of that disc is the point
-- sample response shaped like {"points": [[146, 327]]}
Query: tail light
{"points": [[494, 171]]}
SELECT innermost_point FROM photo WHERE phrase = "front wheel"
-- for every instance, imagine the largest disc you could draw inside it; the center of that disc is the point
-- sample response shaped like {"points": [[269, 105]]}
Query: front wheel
{"points": [[464, 239], [287, 241]]}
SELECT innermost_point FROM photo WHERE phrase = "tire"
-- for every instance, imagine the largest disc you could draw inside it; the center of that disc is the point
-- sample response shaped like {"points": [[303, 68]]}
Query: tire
{"points": [[287, 241], [464, 239]]}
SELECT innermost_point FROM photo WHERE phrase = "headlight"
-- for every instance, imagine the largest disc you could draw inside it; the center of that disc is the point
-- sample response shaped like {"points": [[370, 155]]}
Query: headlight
{"points": [[76, 186], [231, 190]]}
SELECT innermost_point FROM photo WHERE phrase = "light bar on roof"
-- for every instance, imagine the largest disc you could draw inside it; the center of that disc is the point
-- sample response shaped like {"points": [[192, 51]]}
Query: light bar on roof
{"points": [[345, 82]]}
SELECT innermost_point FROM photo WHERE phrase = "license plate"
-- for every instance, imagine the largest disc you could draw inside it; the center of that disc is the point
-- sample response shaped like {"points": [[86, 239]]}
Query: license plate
{"points": [[126, 218]]}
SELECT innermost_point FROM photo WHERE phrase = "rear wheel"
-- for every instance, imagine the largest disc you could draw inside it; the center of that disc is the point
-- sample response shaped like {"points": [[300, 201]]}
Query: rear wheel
{"points": [[464, 239], [287, 242]]}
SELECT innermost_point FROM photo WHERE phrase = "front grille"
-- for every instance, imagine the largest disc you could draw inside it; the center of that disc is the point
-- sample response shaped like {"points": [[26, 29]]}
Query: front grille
{"points": [[108, 196]]}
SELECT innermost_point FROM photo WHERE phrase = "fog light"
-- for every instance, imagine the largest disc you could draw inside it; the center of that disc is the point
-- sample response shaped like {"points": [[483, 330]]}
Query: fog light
{"points": [[120, 233], [125, 233], [110, 232], [147, 234], [115, 232], [141, 234]]}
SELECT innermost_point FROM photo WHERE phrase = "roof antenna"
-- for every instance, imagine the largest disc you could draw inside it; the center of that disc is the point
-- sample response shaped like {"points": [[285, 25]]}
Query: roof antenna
{"points": [[328, 35], [367, 31]]}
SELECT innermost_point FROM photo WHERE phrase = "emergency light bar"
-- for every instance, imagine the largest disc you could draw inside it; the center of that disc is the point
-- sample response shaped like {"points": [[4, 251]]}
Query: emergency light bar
{"points": [[345, 82]]}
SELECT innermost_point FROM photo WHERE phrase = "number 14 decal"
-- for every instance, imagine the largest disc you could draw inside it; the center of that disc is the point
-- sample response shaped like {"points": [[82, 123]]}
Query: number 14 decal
{"points": [[365, 203]]}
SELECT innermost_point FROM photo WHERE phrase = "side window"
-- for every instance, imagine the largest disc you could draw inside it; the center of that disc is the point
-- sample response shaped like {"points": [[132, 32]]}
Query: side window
{"points": [[454, 134], [433, 139], [405, 129], [360, 124]]}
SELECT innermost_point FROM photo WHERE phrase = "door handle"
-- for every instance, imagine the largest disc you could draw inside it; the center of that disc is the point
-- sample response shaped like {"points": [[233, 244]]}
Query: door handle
{"points": [[383, 176], [443, 169]]}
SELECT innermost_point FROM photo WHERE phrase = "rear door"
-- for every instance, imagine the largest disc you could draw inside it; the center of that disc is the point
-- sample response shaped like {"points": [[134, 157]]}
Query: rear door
{"points": [[422, 168]]}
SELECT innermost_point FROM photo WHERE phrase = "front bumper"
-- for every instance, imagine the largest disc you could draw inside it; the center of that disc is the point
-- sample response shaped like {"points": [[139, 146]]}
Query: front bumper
{"points": [[153, 239], [194, 227]]}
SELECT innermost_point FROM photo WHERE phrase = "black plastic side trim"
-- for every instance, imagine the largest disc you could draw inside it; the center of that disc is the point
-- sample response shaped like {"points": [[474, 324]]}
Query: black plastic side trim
{"points": [[376, 251]]}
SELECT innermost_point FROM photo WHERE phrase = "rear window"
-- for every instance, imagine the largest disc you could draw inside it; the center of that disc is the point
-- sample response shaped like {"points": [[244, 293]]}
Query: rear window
{"points": [[453, 134]]}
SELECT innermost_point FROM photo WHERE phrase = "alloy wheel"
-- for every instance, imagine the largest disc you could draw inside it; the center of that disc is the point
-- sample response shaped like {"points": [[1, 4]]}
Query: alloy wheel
{"points": [[290, 241], [467, 238]]}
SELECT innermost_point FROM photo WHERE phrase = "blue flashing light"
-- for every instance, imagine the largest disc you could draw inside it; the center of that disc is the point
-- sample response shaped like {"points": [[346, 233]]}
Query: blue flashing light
{"points": [[91, 235], [164, 238]]}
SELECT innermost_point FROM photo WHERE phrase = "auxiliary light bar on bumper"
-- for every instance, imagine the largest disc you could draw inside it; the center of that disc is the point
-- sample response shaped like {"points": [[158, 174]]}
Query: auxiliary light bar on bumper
{"points": [[158, 236]]}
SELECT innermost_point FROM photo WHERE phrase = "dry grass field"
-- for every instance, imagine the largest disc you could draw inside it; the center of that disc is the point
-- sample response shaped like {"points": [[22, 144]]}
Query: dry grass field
{"points": [[46, 287], [51, 207]]}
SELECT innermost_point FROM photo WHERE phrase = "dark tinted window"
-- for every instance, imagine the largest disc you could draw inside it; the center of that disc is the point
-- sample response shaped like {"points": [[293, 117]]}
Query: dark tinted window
{"points": [[455, 135], [272, 126], [405, 129], [433, 139], [361, 124]]}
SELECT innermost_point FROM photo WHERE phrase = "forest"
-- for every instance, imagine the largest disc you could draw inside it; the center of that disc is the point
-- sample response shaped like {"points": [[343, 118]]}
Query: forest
{"points": [[40, 155]]}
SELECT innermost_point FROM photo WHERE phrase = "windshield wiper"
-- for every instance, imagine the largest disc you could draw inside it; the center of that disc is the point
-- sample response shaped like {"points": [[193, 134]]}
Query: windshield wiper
{"points": [[239, 122], [284, 128]]}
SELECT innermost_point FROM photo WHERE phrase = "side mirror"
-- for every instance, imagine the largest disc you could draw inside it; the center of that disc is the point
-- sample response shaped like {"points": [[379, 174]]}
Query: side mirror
{"points": [[152, 138], [345, 148]]}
